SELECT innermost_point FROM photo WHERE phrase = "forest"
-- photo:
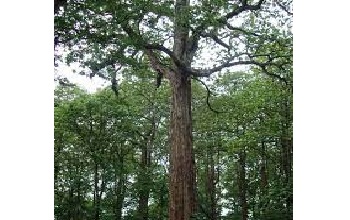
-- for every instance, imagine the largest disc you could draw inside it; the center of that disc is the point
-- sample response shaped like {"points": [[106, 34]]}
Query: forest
{"points": [[196, 121]]}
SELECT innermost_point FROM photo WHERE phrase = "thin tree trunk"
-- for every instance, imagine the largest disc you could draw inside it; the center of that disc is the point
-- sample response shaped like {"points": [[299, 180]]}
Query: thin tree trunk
{"points": [[212, 179], [287, 148], [144, 175], [242, 185], [96, 194], [145, 181], [287, 171], [79, 208], [162, 202], [263, 168], [263, 176], [98, 204], [56, 166], [70, 201], [119, 187], [119, 193]]}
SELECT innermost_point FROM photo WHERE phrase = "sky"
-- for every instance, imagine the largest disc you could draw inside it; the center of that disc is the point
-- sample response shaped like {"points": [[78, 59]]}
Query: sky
{"points": [[91, 85]]}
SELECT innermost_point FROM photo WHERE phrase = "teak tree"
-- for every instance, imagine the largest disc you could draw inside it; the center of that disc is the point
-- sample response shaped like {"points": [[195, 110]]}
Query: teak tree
{"points": [[171, 37]]}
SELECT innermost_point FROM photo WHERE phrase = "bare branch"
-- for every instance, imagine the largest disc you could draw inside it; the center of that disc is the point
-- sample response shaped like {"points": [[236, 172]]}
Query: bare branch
{"points": [[284, 8], [242, 30], [262, 65], [148, 48], [208, 95], [160, 48], [208, 72], [264, 69], [223, 20], [216, 39], [244, 7]]}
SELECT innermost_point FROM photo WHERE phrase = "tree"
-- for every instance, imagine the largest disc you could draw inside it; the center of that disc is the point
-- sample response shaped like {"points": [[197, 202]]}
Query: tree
{"points": [[107, 35], [240, 164]]}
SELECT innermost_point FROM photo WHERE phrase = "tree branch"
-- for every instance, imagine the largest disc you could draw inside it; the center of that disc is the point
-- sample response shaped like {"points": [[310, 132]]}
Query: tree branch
{"points": [[244, 7], [208, 95], [161, 48], [229, 26], [284, 8], [223, 20], [162, 70], [216, 39], [262, 65]]}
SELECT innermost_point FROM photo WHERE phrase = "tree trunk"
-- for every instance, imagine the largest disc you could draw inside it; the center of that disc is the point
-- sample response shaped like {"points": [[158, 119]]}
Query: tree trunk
{"points": [[119, 178], [242, 185], [96, 194], [287, 149], [287, 171], [182, 196], [182, 176], [71, 203], [263, 180], [144, 179], [144, 174], [161, 202], [56, 166], [212, 180], [119, 193], [79, 202]]}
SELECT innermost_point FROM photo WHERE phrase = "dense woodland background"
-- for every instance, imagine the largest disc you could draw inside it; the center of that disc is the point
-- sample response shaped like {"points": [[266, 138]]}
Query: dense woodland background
{"points": [[112, 159], [176, 136]]}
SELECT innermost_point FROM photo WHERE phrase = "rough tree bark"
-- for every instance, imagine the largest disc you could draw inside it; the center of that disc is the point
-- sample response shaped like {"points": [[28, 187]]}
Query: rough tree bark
{"points": [[182, 196], [182, 176], [287, 151]]}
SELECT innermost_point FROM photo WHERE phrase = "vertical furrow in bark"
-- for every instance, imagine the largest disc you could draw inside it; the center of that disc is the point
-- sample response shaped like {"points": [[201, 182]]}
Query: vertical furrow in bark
{"points": [[182, 180], [182, 176]]}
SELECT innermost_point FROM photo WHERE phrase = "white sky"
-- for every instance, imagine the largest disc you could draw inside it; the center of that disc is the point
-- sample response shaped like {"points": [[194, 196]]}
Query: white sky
{"points": [[91, 85]]}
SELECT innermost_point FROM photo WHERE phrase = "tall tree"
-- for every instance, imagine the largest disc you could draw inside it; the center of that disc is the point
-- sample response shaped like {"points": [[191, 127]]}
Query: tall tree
{"points": [[105, 35]]}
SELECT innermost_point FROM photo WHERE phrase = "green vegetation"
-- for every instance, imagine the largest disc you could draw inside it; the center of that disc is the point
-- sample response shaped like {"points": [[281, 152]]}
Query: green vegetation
{"points": [[162, 143]]}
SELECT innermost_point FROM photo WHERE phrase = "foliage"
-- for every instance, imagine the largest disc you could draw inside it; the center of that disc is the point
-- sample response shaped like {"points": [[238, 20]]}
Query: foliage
{"points": [[251, 107], [111, 147]]}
